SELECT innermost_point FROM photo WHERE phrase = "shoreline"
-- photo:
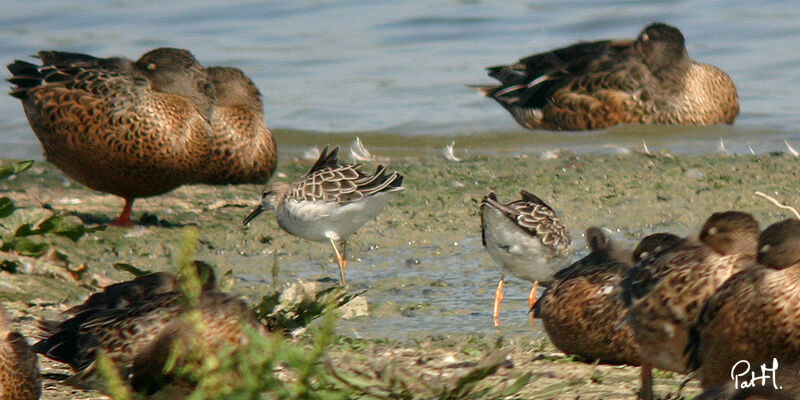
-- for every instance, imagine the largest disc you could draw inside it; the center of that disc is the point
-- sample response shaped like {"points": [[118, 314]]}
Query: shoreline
{"points": [[419, 260]]}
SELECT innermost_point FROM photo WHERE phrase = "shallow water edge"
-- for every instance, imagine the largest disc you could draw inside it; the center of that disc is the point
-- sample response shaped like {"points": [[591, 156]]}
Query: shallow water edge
{"points": [[428, 278]]}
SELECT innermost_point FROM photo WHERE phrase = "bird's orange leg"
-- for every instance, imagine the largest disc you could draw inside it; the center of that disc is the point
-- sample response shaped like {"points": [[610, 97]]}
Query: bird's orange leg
{"points": [[532, 295], [498, 297]]}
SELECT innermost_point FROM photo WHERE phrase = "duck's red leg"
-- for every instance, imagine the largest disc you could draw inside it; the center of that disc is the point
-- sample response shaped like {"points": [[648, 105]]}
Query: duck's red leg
{"points": [[125, 216], [646, 391]]}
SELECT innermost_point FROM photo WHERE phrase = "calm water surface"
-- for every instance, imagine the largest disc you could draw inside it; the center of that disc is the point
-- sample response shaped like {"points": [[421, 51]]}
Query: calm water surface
{"points": [[395, 73], [399, 68]]}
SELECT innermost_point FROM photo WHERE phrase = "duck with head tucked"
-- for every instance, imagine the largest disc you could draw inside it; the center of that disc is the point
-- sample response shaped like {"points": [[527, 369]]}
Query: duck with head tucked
{"points": [[242, 148], [147, 324], [754, 316], [595, 85], [582, 311], [140, 129], [665, 291]]}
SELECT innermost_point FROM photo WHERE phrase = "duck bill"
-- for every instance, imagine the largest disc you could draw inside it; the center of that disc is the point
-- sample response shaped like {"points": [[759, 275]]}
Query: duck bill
{"points": [[258, 210]]}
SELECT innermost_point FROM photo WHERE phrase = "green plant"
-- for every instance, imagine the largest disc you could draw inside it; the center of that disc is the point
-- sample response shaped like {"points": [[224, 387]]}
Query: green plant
{"points": [[19, 230], [296, 307], [14, 169], [270, 366], [389, 382], [274, 366]]}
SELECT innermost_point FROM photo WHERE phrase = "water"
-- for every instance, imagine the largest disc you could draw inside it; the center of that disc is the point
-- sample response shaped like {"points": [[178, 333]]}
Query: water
{"points": [[446, 289], [390, 70], [394, 72]]}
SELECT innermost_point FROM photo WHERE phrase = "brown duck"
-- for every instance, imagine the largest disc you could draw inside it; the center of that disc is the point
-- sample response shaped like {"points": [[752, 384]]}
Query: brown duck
{"points": [[242, 148], [667, 290], [137, 324], [582, 311], [133, 129], [594, 85], [139, 129], [755, 315], [579, 309], [20, 378]]}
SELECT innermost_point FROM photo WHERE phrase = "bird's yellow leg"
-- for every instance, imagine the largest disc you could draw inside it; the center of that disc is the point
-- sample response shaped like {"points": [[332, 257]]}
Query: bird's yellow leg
{"points": [[341, 261]]}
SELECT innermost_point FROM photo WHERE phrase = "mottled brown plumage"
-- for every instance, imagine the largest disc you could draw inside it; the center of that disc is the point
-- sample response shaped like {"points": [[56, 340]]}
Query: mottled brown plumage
{"points": [[533, 216], [242, 148], [19, 368], [581, 310], [124, 294], [527, 239], [330, 202], [755, 315], [133, 129], [652, 246], [139, 129], [138, 332], [594, 85], [668, 291]]}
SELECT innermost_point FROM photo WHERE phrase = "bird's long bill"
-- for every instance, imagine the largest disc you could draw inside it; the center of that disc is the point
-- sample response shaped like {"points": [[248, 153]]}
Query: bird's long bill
{"points": [[253, 214]]}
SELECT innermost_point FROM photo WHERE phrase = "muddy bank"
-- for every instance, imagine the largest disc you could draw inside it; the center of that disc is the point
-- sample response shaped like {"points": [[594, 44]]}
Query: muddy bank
{"points": [[429, 281]]}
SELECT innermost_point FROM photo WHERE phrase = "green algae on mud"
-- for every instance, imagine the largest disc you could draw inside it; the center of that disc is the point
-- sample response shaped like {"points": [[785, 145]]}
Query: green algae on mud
{"points": [[421, 259], [633, 194]]}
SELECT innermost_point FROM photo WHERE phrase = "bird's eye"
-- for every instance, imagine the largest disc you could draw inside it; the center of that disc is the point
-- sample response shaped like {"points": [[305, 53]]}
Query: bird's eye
{"points": [[645, 37], [152, 66], [713, 231], [765, 248]]}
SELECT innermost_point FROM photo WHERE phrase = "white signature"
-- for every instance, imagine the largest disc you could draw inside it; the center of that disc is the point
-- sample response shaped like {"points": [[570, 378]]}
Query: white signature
{"points": [[742, 368]]}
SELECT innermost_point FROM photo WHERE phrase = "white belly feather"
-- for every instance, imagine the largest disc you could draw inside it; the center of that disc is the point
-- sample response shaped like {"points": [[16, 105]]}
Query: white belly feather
{"points": [[321, 221]]}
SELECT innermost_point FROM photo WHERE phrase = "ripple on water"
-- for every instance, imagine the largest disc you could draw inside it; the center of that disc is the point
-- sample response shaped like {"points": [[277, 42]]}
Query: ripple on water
{"points": [[399, 68]]}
